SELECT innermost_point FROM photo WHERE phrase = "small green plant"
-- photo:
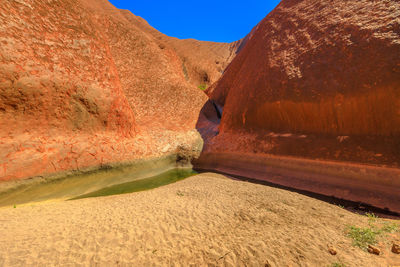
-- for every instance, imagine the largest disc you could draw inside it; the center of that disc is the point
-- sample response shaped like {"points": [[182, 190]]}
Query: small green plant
{"points": [[390, 227], [202, 87], [371, 217], [15, 206], [337, 264], [362, 237], [179, 193]]}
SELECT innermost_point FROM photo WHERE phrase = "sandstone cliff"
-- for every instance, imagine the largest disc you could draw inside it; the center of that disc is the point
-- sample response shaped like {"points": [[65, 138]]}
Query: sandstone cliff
{"points": [[84, 84], [317, 79]]}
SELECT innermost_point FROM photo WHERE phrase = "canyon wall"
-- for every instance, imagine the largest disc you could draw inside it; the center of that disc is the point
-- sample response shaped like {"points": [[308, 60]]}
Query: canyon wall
{"points": [[314, 76], [312, 99], [83, 84]]}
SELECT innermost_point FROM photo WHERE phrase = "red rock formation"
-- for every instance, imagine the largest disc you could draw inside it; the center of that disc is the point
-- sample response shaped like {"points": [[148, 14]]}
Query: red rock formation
{"points": [[84, 84], [319, 68], [202, 62], [315, 79]]}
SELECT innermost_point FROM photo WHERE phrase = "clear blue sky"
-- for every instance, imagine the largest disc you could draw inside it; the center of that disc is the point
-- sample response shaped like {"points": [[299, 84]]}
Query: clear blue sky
{"points": [[207, 20]]}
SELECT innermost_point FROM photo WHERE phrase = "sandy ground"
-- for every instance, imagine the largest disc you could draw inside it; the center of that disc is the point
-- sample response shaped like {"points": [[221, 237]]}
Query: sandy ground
{"points": [[204, 220]]}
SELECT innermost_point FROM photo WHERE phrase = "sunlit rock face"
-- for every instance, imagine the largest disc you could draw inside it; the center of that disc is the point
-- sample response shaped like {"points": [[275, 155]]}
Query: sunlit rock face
{"points": [[84, 84], [318, 67], [314, 92], [325, 73]]}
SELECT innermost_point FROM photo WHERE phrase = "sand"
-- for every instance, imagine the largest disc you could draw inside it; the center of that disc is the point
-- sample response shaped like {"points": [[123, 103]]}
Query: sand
{"points": [[204, 220]]}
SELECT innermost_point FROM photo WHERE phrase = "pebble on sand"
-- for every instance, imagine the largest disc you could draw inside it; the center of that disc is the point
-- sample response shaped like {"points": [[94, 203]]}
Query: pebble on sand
{"points": [[396, 248], [373, 250], [332, 250]]}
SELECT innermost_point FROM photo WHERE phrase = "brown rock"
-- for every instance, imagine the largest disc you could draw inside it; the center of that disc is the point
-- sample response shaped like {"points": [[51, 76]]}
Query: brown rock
{"points": [[396, 248], [332, 250], [373, 250]]}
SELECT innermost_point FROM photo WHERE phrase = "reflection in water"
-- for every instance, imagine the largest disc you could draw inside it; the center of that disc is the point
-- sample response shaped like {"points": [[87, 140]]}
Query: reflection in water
{"points": [[91, 184], [142, 184]]}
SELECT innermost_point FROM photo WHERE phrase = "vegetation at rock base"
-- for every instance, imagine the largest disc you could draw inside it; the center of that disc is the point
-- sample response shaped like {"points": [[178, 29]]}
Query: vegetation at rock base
{"points": [[364, 236]]}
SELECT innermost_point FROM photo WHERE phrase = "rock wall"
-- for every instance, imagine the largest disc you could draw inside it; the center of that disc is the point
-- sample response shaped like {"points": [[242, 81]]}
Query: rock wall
{"points": [[365, 185], [318, 67], [83, 84], [322, 74]]}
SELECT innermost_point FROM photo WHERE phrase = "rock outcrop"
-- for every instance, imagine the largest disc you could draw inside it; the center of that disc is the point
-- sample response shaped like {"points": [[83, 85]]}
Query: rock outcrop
{"points": [[317, 80], [83, 84]]}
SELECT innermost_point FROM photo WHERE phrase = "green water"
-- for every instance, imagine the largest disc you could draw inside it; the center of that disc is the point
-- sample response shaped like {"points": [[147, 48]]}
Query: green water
{"points": [[102, 182], [165, 178]]}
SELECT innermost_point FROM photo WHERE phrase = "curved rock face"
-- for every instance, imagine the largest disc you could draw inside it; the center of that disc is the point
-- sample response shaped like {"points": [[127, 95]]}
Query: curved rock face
{"points": [[318, 80], [58, 74], [318, 69], [84, 84]]}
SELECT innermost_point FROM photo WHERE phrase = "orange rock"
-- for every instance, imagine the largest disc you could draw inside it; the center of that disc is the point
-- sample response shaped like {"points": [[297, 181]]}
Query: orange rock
{"points": [[311, 67], [306, 84], [298, 71], [96, 77]]}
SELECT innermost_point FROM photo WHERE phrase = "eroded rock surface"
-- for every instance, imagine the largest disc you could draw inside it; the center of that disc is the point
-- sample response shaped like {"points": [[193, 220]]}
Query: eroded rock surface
{"points": [[318, 79], [84, 84], [314, 91]]}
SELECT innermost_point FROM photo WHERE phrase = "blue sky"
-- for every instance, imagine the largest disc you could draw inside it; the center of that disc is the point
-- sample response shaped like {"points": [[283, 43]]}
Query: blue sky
{"points": [[207, 20]]}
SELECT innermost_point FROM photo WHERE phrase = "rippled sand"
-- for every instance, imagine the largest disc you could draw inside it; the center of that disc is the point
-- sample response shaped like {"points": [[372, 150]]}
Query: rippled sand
{"points": [[204, 220]]}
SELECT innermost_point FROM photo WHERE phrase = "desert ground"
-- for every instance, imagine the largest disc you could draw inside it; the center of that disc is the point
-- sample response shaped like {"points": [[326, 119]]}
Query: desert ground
{"points": [[204, 220], [94, 99]]}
